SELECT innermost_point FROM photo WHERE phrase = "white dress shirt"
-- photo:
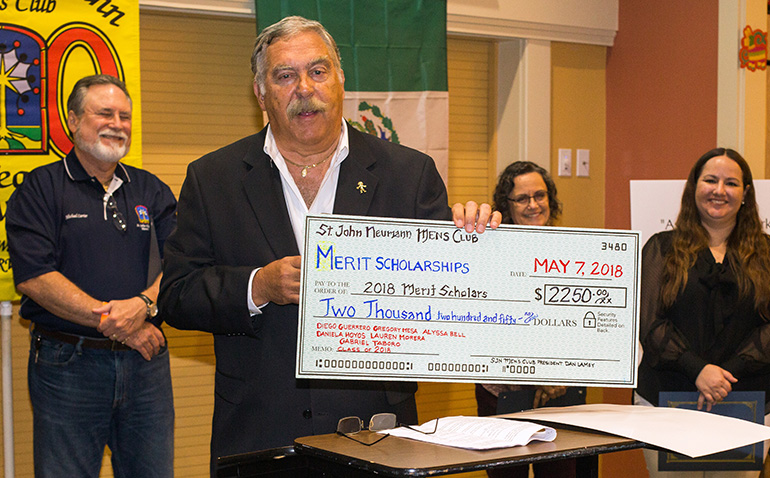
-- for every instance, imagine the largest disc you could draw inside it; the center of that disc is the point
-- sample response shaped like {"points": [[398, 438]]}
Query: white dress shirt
{"points": [[295, 204]]}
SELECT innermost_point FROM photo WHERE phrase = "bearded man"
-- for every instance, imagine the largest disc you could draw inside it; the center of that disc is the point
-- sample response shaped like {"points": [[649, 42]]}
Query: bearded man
{"points": [[84, 236]]}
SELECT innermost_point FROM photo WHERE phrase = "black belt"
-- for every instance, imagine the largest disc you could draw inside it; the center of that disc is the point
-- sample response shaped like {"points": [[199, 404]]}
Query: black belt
{"points": [[87, 342]]}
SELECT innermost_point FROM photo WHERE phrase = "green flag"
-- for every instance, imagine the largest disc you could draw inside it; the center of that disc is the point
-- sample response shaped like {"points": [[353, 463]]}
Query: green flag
{"points": [[394, 57]]}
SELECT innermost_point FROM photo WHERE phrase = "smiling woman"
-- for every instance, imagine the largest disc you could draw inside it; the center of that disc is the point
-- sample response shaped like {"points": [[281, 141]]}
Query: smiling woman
{"points": [[719, 194], [705, 305], [525, 194]]}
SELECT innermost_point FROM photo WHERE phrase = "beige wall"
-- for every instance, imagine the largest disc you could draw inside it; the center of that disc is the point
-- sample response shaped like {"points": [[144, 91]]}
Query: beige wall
{"points": [[578, 117], [754, 83]]}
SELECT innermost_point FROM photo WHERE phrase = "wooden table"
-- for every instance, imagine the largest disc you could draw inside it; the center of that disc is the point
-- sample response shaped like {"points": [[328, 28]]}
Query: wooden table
{"points": [[336, 456], [398, 457]]}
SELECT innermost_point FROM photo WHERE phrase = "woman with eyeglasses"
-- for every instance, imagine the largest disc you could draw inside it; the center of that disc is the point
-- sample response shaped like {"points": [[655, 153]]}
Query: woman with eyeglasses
{"points": [[526, 194], [705, 302]]}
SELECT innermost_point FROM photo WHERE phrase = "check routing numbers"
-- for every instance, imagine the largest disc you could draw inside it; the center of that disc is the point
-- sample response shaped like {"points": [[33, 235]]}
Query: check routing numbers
{"points": [[393, 299]]}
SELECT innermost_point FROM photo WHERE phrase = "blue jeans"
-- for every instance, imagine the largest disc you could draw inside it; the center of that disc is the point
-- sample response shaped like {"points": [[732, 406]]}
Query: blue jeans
{"points": [[84, 399]]}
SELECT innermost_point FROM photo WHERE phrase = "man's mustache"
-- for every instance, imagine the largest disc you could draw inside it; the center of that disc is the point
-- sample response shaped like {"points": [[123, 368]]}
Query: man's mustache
{"points": [[304, 105], [116, 133]]}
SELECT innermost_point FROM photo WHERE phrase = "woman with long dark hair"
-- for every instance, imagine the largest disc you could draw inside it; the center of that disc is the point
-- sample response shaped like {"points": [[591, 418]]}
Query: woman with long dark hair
{"points": [[705, 307]]}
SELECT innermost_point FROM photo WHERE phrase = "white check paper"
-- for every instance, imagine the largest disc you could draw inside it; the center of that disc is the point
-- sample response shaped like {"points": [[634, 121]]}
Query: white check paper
{"points": [[396, 299]]}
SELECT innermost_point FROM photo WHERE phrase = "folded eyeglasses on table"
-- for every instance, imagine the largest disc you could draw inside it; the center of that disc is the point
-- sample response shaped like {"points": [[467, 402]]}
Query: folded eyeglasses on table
{"points": [[349, 426]]}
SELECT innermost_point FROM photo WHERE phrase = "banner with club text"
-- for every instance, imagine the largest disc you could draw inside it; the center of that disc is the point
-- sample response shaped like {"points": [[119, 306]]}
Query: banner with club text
{"points": [[394, 58], [45, 47]]}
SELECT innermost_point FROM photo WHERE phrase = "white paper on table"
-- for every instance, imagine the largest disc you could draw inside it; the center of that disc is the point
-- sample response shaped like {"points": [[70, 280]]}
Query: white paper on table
{"points": [[476, 433], [689, 432]]}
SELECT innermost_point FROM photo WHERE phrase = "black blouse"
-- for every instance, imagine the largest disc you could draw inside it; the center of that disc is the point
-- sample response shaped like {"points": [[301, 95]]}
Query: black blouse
{"points": [[707, 324]]}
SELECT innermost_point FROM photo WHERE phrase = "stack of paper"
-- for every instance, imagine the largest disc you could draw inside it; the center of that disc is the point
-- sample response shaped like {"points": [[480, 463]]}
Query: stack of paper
{"points": [[689, 432], [476, 433]]}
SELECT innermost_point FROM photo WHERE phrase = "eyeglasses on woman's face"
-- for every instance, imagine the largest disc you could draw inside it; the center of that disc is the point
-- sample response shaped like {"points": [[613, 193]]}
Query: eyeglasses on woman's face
{"points": [[522, 200]]}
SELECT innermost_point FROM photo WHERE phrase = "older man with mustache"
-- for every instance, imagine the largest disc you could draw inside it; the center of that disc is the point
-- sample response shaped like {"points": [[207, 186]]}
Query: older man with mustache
{"points": [[233, 265], [81, 232]]}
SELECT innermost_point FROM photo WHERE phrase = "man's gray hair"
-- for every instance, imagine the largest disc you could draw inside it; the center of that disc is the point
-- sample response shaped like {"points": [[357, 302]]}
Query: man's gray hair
{"points": [[286, 28], [77, 99]]}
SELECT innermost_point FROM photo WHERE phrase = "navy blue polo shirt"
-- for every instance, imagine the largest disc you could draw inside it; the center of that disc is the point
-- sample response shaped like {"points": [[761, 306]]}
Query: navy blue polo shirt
{"points": [[56, 221]]}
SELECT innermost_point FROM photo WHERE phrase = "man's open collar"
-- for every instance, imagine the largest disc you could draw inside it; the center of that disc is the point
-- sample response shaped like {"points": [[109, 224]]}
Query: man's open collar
{"points": [[77, 172]]}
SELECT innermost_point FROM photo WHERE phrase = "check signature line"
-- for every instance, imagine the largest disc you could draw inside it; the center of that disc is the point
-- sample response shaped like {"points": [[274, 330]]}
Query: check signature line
{"points": [[545, 358]]}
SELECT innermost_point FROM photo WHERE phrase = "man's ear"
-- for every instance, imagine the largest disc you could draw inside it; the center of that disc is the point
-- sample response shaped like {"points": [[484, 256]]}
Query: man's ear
{"points": [[259, 95], [72, 121]]}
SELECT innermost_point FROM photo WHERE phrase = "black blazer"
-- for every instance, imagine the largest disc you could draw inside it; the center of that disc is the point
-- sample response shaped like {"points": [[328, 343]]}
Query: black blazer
{"points": [[232, 218]]}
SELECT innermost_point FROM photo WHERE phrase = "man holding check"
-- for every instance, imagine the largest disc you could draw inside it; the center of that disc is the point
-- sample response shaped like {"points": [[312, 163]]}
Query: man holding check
{"points": [[233, 265]]}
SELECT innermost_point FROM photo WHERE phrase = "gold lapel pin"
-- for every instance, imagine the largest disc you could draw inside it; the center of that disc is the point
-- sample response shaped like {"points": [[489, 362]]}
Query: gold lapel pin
{"points": [[361, 187]]}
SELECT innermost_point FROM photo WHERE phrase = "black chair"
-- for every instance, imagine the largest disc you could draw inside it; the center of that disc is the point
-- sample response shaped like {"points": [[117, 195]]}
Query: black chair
{"points": [[272, 463]]}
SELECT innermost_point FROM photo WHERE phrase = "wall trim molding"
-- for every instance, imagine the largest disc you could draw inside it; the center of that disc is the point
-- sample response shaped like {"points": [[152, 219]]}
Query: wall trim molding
{"points": [[229, 9], [457, 24], [505, 29]]}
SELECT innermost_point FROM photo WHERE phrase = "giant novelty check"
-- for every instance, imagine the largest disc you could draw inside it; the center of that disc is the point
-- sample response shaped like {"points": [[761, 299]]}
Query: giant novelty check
{"points": [[394, 299]]}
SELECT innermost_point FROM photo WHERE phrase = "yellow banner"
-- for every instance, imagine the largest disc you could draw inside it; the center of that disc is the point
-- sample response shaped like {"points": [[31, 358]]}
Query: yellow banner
{"points": [[45, 47]]}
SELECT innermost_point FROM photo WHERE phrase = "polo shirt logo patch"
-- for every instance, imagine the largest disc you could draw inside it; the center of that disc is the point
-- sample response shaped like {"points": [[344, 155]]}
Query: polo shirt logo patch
{"points": [[142, 214], [144, 217], [75, 216]]}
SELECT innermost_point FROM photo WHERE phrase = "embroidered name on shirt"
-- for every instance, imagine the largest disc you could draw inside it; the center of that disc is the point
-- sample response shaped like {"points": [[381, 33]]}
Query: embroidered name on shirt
{"points": [[75, 216]]}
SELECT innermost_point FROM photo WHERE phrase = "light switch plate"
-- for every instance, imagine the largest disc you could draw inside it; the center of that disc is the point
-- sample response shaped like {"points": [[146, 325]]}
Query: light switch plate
{"points": [[565, 162], [583, 159]]}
